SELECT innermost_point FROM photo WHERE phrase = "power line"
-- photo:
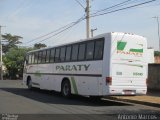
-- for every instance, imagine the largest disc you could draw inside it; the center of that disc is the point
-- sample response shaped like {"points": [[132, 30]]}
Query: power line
{"points": [[80, 4], [49, 33], [65, 36], [154, 5], [55, 31], [75, 23], [66, 27], [22, 6], [83, 0], [126, 2], [63, 30], [122, 8], [117, 5]]}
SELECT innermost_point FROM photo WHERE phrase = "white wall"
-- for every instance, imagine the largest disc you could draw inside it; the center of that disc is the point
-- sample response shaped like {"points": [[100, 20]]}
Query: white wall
{"points": [[150, 55]]}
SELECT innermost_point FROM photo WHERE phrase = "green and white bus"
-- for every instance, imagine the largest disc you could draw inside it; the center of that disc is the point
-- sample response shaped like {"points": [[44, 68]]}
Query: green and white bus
{"points": [[109, 64]]}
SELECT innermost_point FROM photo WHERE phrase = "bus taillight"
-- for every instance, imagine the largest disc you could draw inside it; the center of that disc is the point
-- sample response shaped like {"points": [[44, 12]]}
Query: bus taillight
{"points": [[108, 80]]}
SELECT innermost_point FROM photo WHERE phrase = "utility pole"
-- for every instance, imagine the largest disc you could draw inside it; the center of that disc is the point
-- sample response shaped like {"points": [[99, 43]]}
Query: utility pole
{"points": [[92, 30], [87, 19], [1, 65], [157, 19]]}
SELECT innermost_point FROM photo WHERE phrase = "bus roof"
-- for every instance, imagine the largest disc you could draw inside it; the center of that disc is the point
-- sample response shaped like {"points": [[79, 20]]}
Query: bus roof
{"points": [[82, 40]]}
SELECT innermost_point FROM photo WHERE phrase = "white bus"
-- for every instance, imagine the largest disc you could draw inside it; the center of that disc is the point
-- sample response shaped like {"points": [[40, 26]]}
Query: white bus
{"points": [[109, 64]]}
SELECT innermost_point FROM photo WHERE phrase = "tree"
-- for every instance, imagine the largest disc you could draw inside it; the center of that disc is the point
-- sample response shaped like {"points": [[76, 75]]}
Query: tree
{"points": [[11, 41], [14, 60], [156, 53], [39, 45]]}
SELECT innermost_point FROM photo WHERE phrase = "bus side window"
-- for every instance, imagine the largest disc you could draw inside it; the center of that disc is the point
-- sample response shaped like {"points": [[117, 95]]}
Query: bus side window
{"points": [[57, 55], [90, 50], [98, 54], [52, 53], [35, 57], [30, 59], [47, 56], [81, 54], [27, 58], [44, 56], [68, 53], [39, 56], [74, 52], [62, 54]]}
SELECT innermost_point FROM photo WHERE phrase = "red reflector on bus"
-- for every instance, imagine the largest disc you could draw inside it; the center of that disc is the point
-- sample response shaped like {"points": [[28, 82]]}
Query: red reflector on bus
{"points": [[108, 80]]}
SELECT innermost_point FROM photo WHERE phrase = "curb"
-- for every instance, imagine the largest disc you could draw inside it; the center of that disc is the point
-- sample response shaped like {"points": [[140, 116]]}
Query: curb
{"points": [[135, 101]]}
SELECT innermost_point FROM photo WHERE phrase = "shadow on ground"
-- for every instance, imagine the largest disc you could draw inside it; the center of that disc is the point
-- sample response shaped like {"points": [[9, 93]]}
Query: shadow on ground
{"points": [[52, 97]]}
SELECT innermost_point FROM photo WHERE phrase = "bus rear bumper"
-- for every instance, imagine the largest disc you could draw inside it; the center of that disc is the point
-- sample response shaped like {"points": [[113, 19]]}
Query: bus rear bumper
{"points": [[115, 90]]}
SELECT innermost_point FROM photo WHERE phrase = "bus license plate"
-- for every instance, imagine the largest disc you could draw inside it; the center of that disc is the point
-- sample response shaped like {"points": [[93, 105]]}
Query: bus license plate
{"points": [[129, 92]]}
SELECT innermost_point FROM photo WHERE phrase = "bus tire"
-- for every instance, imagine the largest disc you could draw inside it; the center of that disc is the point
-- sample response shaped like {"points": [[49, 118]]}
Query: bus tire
{"points": [[66, 88], [29, 83]]}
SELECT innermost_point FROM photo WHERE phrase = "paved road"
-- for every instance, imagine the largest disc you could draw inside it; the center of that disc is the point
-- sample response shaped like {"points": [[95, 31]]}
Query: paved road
{"points": [[15, 98]]}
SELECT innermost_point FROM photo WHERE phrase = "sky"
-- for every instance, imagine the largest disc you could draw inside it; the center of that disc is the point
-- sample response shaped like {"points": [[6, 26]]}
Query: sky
{"points": [[31, 19]]}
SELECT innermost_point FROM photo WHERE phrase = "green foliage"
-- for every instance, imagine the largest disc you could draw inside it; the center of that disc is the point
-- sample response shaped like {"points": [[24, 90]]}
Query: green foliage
{"points": [[39, 45], [13, 57], [156, 53], [11, 41], [14, 60]]}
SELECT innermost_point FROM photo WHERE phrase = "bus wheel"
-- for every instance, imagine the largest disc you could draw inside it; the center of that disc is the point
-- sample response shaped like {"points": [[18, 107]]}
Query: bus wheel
{"points": [[29, 84], [66, 88]]}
